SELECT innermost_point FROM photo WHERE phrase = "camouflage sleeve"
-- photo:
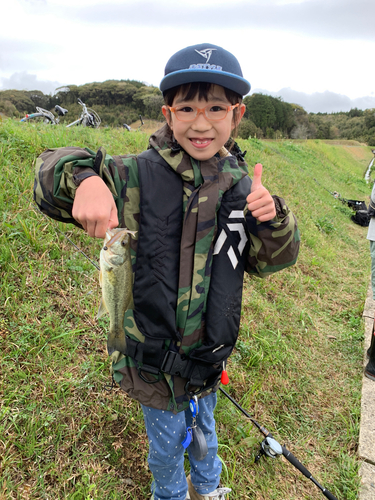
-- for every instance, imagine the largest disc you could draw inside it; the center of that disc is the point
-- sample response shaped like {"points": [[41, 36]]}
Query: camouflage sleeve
{"points": [[274, 244], [58, 173]]}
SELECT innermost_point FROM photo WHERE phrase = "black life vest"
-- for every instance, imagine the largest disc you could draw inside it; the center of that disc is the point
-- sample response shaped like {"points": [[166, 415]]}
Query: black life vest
{"points": [[156, 278]]}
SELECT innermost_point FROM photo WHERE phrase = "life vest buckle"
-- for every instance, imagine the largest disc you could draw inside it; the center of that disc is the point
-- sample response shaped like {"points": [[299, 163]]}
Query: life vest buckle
{"points": [[175, 364]]}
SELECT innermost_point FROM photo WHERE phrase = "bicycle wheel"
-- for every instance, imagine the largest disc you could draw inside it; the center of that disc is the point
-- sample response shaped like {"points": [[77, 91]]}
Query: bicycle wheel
{"points": [[94, 120]]}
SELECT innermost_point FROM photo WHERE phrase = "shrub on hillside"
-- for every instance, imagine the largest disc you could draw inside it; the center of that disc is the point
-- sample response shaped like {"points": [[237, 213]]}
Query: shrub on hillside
{"points": [[370, 137], [247, 128], [9, 109]]}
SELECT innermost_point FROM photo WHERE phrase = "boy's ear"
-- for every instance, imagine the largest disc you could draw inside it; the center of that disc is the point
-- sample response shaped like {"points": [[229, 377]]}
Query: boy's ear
{"points": [[241, 113], [167, 115], [238, 116]]}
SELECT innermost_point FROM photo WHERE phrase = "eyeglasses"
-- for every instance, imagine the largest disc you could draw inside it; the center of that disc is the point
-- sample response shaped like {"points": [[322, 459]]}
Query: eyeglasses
{"points": [[213, 113]]}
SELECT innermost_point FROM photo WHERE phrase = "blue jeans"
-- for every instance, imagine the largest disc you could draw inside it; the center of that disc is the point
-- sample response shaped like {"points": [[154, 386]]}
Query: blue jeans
{"points": [[165, 432]]}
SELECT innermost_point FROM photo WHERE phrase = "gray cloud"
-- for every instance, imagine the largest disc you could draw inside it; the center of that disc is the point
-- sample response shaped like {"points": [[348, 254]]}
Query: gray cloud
{"points": [[16, 54], [321, 102], [25, 81], [339, 19]]}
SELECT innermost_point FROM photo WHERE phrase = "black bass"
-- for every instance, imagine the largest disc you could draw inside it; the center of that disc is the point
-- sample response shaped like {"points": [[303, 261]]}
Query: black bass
{"points": [[116, 281]]}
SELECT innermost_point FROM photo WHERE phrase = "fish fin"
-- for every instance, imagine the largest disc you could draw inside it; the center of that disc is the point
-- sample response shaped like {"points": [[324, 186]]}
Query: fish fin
{"points": [[100, 278], [102, 309], [116, 356]]}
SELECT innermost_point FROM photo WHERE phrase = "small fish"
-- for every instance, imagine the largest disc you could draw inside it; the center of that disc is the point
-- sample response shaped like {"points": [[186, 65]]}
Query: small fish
{"points": [[116, 281]]}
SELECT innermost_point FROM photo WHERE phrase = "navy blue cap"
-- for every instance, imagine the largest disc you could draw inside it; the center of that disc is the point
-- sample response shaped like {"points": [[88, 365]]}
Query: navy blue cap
{"points": [[204, 63]]}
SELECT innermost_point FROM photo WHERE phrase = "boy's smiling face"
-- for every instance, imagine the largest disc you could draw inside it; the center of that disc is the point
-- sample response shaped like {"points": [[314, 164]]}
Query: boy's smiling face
{"points": [[203, 138]]}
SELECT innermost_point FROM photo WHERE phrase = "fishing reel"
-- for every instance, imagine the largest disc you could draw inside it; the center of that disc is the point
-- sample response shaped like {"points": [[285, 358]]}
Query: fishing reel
{"points": [[269, 447]]}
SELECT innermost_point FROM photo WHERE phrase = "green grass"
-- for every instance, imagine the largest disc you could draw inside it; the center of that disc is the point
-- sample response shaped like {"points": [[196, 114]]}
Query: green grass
{"points": [[297, 367]]}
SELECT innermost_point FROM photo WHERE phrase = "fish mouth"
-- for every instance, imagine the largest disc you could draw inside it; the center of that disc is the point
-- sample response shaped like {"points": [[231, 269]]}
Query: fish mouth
{"points": [[113, 238]]}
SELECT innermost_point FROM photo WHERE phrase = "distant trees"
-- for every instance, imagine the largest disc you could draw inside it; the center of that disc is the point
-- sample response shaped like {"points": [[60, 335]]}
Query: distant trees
{"points": [[303, 127], [17, 102], [270, 116], [122, 101], [355, 124], [355, 112], [118, 100], [300, 131], [108, 93], [149, 100], [247, 128], [369, 115]]}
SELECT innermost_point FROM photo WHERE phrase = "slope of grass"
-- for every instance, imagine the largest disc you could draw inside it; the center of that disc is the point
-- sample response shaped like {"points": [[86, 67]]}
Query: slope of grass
{"points": [[297, 366]]}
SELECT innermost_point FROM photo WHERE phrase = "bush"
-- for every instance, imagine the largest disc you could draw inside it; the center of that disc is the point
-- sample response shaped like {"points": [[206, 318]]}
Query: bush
{"points": [[270, 133], [247, 129], [325, 225], [370, 137], [9, 109]]}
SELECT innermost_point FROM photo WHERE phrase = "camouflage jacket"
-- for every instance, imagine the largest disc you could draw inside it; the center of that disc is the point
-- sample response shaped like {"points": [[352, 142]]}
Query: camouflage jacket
{"points": [[208, 189]]}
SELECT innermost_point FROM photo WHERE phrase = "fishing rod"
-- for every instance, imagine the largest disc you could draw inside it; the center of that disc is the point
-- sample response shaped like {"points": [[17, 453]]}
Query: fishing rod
{"points": [[271, 448], [335, 194]]}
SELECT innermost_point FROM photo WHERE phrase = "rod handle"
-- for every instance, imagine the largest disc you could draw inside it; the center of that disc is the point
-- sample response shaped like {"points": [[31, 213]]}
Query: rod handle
{"points": [[297, 464], [293, 460], [328, 494]]}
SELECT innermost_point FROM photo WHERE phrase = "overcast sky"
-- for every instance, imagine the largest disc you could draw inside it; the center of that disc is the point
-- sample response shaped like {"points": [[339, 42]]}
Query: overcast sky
{"points": [[316, 53]]}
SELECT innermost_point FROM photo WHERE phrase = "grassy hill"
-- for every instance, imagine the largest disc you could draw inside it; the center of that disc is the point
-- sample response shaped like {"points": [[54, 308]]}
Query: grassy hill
{"points": [[297, 367]]}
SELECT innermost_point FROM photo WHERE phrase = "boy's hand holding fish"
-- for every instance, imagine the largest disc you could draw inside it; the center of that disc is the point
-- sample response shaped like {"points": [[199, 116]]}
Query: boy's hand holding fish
{"points": [[94, 207]]}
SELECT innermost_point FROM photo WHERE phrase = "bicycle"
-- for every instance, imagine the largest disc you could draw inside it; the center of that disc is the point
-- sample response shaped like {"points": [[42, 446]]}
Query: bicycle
{"points": [[88, 118], [46, 116]]}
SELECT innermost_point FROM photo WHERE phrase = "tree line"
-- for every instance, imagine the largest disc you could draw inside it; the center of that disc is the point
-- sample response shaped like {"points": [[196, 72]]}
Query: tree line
{"points": [[272, 118], [122, 101], [116, 101]]}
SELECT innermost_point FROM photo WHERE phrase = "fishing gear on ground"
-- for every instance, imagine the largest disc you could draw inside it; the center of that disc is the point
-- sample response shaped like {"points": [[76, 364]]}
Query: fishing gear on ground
{"points": [[271, 448], [361, 215]]}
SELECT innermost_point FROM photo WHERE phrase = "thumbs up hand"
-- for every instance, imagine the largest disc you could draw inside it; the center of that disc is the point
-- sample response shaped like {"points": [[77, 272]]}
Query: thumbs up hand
{"points": [[260, 202]]}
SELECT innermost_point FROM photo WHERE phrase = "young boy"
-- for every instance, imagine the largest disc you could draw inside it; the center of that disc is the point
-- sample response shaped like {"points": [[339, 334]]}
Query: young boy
{"points": [[200, 224]]}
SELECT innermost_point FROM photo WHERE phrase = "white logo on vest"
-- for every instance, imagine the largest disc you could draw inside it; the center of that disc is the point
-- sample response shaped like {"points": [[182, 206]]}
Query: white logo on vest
{"points": [[235, 214]]}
